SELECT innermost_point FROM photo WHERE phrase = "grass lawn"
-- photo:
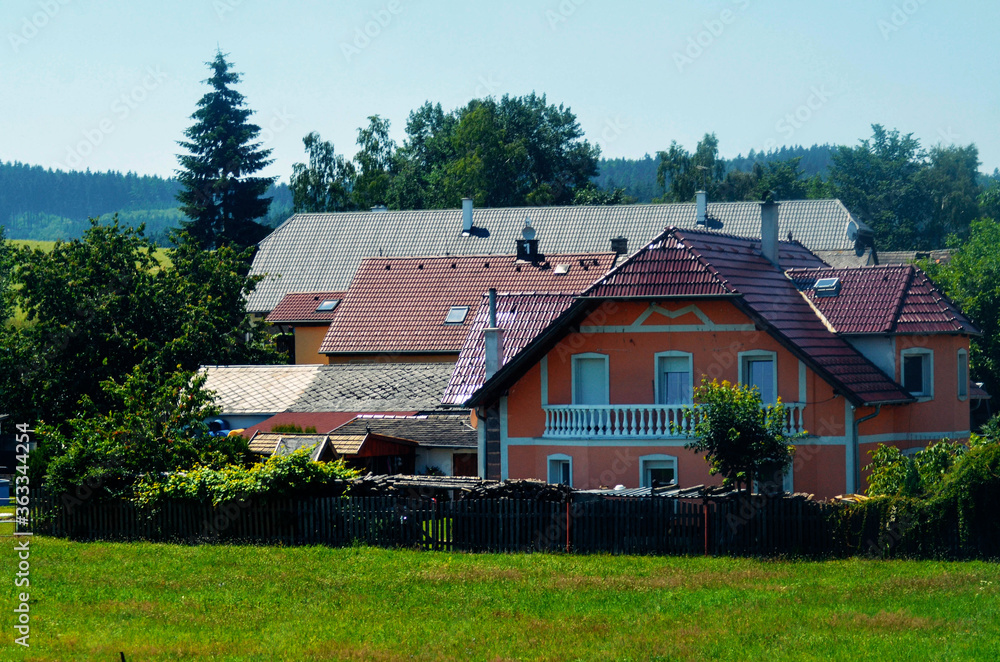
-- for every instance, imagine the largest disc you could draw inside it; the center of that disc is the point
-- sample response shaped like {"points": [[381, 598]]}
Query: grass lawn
{"points": [[163, 602]]}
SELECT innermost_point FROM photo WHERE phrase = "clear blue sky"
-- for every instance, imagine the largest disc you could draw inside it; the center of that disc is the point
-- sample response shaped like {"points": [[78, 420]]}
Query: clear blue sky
{"points": [[112, 85]]}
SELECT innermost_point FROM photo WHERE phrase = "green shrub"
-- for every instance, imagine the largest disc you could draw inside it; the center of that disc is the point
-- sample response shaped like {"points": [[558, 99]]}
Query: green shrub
{"points": [[281, 476]]}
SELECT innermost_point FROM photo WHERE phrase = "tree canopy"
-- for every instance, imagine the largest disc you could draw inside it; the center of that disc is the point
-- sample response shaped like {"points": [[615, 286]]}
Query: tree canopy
{"points": [[911, 199], [744, 440], [219, 193], [98, 307], [972, 280]]}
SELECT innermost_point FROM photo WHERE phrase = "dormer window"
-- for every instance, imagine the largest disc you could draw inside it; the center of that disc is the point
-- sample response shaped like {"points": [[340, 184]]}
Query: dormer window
{"points": [[327, 306], [456, 315]]}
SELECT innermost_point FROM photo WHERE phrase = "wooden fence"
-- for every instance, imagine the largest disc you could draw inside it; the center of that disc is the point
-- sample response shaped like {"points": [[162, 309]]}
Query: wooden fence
{"points": [[657, 525]]}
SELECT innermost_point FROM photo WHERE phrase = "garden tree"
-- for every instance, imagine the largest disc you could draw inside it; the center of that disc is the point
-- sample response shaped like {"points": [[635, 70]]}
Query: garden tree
{"points": [[7, 260], [97, 307], [155, 422], [744, 440], [972, 280], [911, 199], [512, 152], [989, 200], [878, 181], [591, 195], [375, 164], [325, 183], [220, 194], [781, 178], [951, 180], [681, 174]]}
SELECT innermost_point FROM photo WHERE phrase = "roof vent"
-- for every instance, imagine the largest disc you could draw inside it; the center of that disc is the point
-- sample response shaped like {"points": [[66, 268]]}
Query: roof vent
{"points": [[827, 287], [527, 248]]}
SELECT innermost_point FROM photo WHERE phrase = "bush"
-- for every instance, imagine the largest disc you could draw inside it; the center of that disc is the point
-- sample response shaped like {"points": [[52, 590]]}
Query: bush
{"points": [[281, 476], [955, 516]]}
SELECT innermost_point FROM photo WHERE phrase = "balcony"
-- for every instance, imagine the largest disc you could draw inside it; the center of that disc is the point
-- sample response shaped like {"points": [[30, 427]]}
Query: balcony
{"points": [[636, 421]]}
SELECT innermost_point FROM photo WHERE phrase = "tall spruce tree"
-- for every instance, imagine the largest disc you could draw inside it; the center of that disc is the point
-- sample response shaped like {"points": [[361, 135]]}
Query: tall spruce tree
{"points": [[219, 194]]}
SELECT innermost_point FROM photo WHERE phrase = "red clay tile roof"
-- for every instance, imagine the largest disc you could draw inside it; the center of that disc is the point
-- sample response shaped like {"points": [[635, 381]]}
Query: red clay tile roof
{"points": [[522, 317], [883, 299], [301, 307], [399, 305], [700, 263]]}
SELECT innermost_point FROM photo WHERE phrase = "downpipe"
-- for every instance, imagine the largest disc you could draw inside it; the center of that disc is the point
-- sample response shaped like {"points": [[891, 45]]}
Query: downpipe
{"points": [[857, 444]]}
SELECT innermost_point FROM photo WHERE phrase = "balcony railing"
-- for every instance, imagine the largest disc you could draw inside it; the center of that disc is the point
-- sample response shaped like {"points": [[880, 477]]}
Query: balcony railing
{"points": [[636, 421]]}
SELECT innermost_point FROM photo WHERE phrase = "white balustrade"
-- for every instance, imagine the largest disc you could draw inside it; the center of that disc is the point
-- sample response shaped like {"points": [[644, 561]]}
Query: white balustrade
{"points": [[637, 421]]}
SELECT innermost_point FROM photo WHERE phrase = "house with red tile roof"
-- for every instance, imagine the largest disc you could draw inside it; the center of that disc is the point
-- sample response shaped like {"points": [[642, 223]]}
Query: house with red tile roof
{"points": [[421, 309], [590, 389], [306, 316]]}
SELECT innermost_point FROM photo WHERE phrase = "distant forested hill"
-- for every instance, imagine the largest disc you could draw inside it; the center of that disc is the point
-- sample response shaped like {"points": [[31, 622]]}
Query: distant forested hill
{"points": [[41, 204], [638, 176]]}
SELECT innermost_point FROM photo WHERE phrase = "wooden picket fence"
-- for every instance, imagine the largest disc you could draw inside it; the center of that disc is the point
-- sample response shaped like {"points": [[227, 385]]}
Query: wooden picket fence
{"points": [[656, 525]]}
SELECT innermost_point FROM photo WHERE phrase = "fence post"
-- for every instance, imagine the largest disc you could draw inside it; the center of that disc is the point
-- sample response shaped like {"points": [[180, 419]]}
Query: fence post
{"points": [[704, 507], [567, 527]]}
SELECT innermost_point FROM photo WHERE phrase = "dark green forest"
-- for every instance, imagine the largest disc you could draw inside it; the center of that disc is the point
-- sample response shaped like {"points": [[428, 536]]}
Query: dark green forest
{"points": [[638, 176], [43, 204]]}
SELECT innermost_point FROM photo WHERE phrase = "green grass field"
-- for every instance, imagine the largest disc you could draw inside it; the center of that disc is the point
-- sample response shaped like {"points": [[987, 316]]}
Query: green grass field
{"points": [[162, 602]]}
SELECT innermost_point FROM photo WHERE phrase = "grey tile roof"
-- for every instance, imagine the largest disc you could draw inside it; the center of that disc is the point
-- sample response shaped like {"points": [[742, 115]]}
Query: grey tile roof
{"points": [[366, 387], [258, 389], [445, 431], [312, 252]]}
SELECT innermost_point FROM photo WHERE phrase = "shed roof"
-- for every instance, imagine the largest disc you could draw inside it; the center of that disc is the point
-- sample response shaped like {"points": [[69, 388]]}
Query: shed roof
{"points": [[883, 300], [271, 443], [321, 252], [432, 431], [399, 305]]}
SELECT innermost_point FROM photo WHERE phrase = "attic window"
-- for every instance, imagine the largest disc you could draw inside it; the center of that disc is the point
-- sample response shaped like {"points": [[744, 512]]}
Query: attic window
{"points": [[456, 315], [327, 305], [827, 287], [562, 269]]}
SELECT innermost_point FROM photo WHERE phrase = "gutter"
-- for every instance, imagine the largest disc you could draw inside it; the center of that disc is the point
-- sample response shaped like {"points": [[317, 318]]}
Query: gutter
{"points": [[855, 443]]}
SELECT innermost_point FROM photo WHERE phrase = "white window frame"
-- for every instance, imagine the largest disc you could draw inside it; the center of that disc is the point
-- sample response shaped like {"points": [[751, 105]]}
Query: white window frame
{"points": [[757, 354], [645, 459], [656, 371], [963, 385], [558, 457], [607, 373], [928, 354]]}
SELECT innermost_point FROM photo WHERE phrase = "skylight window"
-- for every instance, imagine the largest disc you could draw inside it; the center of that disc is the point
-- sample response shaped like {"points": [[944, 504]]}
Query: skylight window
{"points": [[327, 305], [562, 269], [827, 287], [456, 315]]}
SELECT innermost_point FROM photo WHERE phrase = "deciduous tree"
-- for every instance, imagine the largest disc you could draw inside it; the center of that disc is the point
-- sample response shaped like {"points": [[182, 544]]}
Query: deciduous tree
{"points": [[743, 440]]}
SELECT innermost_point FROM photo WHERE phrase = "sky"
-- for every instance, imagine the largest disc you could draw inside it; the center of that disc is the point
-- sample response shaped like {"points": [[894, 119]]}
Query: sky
{"points": [[111, 85]]}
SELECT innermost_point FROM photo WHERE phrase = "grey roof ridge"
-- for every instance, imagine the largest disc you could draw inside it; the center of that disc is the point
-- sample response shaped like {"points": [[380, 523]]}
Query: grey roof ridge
{"points": [[528, 209]]}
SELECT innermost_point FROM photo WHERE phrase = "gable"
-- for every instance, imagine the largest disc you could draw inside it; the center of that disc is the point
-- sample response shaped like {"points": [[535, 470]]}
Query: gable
{"points": [[666, 318]]}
